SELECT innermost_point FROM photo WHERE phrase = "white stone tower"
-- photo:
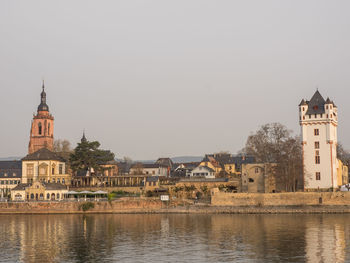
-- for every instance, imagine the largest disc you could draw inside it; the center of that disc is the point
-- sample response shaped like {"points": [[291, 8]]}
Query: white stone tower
{"points": [[319, 121]]}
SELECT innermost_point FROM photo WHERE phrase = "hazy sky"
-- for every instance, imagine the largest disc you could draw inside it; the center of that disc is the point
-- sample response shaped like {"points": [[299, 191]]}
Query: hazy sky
{"points": [[169, 78]]}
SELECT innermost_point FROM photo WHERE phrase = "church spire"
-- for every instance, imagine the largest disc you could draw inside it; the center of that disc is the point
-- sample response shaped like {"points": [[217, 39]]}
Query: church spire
{"points": [[43, 106], [83, 139]]}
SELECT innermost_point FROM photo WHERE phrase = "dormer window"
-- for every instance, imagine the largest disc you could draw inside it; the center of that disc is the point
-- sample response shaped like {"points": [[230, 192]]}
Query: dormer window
{"points": [[315, 107]]}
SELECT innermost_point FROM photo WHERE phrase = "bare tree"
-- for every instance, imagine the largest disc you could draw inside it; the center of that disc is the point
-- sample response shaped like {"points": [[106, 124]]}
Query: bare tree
{"points": [[343, 154], [273, 143], [62, 148]]}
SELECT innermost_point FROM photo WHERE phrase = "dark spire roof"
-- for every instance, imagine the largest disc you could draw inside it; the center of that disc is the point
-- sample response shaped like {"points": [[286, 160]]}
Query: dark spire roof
{"points": [[43, 106], [83, 139], [302, 103], [316, 104]]}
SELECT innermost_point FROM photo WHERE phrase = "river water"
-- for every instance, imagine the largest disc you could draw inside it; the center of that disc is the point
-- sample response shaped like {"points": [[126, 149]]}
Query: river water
{"points": [[174, 238]]}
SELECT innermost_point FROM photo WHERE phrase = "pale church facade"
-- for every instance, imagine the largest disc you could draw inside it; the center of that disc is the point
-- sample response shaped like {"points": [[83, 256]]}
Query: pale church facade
{"points": [[319, 121]]}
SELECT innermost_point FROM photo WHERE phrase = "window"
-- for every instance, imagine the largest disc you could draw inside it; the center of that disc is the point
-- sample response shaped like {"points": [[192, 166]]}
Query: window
{"points": [[14, 174], [257, 170], [251, 180], [2, 182], [60, 169], [31, 196], [315, 115], [30, 169], [62, 180], [317, 159], [317, 152], [5, 174], [48, 129], [327, 107], [58, 180], [318, 176], [53, 170], [48, 196], [321, 115], [309, 116], [317, 145], [316, 132], [58, 196], [303, 109], [40, 128]]}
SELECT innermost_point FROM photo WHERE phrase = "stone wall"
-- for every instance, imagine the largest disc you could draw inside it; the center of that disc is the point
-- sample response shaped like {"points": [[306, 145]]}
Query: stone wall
{"points": [[279, 199], [127, 205]]}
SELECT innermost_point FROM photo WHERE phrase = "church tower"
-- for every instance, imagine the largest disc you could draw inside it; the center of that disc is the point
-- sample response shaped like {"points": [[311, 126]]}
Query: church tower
{"points": [[319, 122], [41, 133]]}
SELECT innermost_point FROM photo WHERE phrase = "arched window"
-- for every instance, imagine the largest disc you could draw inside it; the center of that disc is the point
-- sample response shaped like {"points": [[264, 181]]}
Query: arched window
{"points": [[58, 196], [48, 196], [31, 196], [48, 129], [40, 128]]}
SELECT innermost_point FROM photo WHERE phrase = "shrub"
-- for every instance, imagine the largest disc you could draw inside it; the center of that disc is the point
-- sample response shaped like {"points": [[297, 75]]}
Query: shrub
{"points": [[87, 206]]}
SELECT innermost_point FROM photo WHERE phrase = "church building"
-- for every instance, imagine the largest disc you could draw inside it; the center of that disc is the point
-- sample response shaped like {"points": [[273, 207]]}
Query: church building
{"points": [[319, 121]]}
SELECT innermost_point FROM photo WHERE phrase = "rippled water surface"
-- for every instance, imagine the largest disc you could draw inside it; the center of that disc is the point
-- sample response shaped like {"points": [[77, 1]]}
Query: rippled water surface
{"points": [[174, 238]]}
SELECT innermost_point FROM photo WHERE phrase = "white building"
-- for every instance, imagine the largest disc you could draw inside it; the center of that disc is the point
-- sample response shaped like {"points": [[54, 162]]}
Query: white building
{"points": [[149, 169], [319, 121], [203, 171]]}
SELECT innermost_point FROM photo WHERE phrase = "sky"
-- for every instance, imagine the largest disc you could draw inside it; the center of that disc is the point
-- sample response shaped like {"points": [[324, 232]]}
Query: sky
{"points": [[162, 78]]}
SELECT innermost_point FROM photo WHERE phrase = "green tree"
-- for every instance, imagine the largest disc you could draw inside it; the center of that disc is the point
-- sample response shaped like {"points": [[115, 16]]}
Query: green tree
{"points": [[87, 155]]}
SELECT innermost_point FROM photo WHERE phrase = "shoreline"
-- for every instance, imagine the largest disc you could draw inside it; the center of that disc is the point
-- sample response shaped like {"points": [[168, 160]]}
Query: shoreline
{"points": [[193, 209]]}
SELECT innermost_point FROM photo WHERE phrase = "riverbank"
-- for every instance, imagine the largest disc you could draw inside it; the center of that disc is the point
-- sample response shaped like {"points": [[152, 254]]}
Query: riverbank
{"points": [[154, 206]]}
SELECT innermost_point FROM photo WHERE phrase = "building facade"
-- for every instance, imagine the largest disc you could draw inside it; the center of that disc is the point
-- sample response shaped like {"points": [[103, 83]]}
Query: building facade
{"points": [[39, 191], [204, 172], [258, 178], [10, 176], [319, 121], [41, 132], [44, 166]]}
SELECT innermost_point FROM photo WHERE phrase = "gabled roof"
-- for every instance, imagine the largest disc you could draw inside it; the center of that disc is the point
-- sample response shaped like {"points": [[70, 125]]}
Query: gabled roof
{"points": [[316, 104], [48, 186], [54, 186], [205, 167], [43, 155], [21, 187], [165, 161]]}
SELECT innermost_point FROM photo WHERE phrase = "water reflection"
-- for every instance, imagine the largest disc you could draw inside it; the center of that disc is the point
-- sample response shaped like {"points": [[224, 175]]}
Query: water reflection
{"points": [[174, 238]]}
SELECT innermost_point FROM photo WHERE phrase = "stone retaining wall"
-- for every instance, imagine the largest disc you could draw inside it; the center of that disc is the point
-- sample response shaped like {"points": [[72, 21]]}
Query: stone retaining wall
{"points": [[279, 199]]}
